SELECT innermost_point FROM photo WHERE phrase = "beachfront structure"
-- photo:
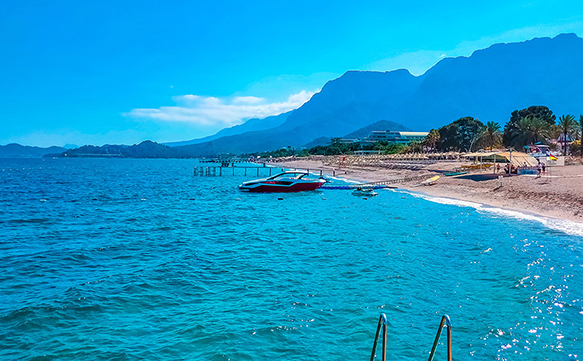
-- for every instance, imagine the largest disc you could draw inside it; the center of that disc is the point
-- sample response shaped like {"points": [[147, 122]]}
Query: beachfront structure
{"points": [[517, 159], [538, 150], [367, 152], [564, 144], [396, 137], [348, 141]]}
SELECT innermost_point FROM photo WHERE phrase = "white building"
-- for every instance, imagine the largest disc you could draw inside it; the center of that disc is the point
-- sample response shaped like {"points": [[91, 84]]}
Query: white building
{"points": [[394, 136]]}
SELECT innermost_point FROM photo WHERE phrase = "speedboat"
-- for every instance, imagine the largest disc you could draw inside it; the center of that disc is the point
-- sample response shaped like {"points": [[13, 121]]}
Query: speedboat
{"points": [[290, 181], [364, 192]]}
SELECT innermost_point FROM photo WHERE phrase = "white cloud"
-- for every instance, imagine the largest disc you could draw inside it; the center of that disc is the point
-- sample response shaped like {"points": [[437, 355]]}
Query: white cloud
{"points": [[211, 111], [248, 100]]}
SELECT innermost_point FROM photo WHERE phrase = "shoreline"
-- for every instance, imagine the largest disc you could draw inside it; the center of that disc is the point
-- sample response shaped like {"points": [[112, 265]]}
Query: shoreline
{"points": [[558, 197]]}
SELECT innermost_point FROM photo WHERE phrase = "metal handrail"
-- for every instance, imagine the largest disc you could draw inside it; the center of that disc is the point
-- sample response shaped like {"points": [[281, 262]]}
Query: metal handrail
{"points": [[382, 322], [445, 322]]}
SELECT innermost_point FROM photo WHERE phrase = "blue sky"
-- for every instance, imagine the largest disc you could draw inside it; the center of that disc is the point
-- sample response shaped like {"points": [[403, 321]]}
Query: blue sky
{"points": [[102, 72]]}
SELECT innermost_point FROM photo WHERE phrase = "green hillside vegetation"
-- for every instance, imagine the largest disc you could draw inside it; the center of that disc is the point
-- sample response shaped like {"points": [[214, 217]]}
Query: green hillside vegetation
{"points": [[532, 125], [336, 147], [485, 85]]}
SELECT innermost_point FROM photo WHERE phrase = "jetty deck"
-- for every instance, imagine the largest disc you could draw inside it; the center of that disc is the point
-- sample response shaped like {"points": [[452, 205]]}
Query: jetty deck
{"points": [[242, 171], [263, 171]]}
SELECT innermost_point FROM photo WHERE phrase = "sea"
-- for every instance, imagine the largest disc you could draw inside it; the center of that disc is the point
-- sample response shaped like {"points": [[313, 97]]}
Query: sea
{"points": [[129, 259]]}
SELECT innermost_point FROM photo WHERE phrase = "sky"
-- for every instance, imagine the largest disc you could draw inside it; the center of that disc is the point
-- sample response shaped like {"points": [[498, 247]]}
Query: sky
{"points": [[120, 72]]}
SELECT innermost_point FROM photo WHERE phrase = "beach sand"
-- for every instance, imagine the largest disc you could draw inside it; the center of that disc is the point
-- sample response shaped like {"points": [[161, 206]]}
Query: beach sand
{"points": [[557, 194]]}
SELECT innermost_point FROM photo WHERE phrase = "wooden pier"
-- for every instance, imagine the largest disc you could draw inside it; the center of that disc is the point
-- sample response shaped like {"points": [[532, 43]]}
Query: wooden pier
{"points": [[380, 184], [242, 171], [398, 180], [215, 171]]}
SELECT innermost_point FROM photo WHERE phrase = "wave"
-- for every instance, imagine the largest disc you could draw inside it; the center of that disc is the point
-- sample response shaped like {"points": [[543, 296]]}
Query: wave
{"points": [[563, 225]]}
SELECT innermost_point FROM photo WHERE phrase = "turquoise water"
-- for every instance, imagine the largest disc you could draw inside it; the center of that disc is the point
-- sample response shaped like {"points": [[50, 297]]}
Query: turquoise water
{"points": [[138, 259]]}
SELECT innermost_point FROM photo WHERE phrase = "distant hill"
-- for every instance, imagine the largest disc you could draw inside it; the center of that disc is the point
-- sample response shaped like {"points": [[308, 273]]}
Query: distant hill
{"points": [[14, 150], [380, 125], [489, 85], [146, 149], [249, 126], [149, 149], [361, 133]]}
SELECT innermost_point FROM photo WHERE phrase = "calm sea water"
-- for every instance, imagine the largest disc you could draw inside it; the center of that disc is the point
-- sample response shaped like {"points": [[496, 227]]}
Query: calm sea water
{"points": [[138, 259]]}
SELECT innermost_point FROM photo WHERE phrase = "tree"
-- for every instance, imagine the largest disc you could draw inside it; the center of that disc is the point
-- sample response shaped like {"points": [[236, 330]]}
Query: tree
{"points": [[414, 146], [461, 134], [304, 153], [529, 130], [568, 126], [541, 129], [395, 148], [432, 138], [536, 111], [380, 145], [491, 135]]}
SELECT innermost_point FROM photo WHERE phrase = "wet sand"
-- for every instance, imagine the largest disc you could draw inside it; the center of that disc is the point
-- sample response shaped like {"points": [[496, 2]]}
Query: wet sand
{"points": [[556, 194]]}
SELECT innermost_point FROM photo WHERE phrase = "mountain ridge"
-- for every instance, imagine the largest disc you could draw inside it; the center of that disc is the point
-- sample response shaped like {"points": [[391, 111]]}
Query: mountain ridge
{"points": [[489, 84], [15, 150], [250, 125]]}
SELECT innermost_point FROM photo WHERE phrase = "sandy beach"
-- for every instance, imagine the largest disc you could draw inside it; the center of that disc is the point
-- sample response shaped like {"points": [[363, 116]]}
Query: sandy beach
{"points": [[556, 194]]}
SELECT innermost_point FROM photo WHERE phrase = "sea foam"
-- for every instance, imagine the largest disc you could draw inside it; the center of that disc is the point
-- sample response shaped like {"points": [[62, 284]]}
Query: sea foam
{"points": [[563, 225]]}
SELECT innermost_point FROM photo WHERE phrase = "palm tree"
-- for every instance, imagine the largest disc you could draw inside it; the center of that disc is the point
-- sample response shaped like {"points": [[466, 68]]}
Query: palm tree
{"points": [[414, 146], [530, 130], [541, 129], [491, 135], [520, 135], [568, 126], [433, 138]]}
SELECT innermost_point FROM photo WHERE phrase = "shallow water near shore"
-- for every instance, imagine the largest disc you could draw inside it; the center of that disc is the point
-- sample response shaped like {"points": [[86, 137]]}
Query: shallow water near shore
{"points": [[139, 259], [563, 225]]}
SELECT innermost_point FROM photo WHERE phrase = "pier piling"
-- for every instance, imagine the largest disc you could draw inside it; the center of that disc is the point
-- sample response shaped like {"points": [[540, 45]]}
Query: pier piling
{"points": [[218, 171]]}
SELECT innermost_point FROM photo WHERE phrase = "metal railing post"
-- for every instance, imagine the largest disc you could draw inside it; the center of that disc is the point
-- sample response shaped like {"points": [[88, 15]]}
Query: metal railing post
{"points": [[382, 322], [385, 341], [445, 321], [448, 339]]}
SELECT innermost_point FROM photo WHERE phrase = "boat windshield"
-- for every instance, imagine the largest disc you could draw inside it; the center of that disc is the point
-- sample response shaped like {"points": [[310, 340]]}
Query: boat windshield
{"points": [[289, 175]]}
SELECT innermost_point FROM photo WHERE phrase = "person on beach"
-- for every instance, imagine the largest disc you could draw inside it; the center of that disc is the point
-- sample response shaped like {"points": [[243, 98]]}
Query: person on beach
{"points": [[544, 168], [538, 169], [498, 168]]}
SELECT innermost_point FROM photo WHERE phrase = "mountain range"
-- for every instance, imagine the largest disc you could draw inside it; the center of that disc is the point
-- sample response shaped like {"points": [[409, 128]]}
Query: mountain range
{"points": [[14, 150], [250, 125], [361, 133], [149, 149], [488, 85]]}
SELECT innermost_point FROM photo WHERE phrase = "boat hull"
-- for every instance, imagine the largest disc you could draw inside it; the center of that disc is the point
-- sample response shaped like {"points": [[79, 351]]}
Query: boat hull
{"points": [[286, 182], [281, 187]]}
